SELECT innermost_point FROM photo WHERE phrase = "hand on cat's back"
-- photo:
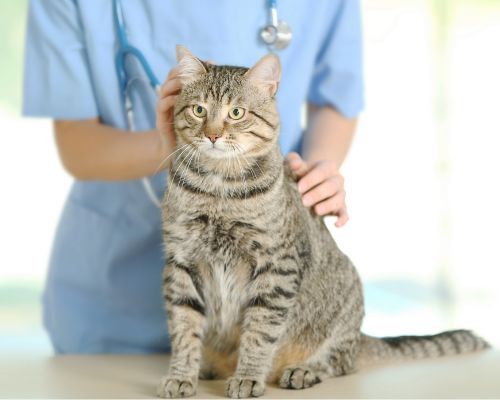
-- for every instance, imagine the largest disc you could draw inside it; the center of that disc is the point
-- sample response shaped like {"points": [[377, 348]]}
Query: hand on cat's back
{"points": [[322, 187]]}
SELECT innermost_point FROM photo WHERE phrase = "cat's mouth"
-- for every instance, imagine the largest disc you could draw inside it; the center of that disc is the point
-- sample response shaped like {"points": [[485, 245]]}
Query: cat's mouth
{"points": [[218, 145], [220, 148], [216, 149]]}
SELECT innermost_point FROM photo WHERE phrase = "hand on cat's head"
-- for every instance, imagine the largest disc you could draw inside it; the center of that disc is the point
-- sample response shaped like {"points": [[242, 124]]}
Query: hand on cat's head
{"points": [[165, 106]]}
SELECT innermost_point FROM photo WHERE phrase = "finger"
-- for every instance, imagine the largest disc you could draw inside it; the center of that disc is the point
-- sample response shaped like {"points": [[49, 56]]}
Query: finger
{"points": [[316, 175], [165, 104], [342, 219], [298, 165], [293, 157], [164, 109], [334, 205], [164, 123], [326, 189], [171, 86], [164, 120], [173, 73]]}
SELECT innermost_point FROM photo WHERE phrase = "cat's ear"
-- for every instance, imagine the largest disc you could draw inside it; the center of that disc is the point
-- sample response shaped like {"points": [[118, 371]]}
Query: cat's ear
{"points": [[190, 67], [266, 73]]}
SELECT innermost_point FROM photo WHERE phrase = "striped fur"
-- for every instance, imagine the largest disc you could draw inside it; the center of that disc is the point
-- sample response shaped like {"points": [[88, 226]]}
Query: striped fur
{"points": [[449, 343], [255, 287]]}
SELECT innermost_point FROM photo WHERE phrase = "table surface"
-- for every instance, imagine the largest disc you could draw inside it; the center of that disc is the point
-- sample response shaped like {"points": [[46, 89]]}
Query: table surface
{"points": [[136, 376]]}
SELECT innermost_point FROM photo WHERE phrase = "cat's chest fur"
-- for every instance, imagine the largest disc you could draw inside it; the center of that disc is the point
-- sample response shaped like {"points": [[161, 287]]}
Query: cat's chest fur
{"points": [[222, 238], [224, 249]]}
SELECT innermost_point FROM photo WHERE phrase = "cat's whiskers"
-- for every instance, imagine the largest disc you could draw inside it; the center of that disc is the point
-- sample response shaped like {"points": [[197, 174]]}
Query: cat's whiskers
{"points": [[225, 177], [240, 158], [258, 166], [177, 169], [249, 167], [242, 171], [166, 158], [183, 175], [247, 162], [198, 158]]}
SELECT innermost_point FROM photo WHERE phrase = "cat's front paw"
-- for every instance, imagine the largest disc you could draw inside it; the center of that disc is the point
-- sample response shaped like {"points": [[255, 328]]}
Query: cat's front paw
{"points": [[175, 387], [239, 387]]}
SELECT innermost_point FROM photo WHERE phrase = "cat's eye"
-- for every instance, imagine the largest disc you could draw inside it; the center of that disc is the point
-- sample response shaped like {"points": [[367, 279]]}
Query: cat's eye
{"points": [[199, 111], [236, 113]]}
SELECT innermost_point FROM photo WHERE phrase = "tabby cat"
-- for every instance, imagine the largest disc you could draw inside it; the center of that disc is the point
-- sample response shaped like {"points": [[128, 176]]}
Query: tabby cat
{"points": [[255, 287]]}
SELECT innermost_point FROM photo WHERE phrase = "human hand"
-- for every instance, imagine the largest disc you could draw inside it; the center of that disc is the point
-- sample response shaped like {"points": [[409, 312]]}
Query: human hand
{"points": [[169, 91], [321, 186]]}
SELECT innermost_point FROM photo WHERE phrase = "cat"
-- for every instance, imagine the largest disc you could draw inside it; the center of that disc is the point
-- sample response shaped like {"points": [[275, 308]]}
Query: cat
{"points": [[255, 287]]}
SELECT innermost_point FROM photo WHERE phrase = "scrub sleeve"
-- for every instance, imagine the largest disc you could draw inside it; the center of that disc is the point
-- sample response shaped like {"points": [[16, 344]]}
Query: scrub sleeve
{"points": [[56, 80], [338, 74]]}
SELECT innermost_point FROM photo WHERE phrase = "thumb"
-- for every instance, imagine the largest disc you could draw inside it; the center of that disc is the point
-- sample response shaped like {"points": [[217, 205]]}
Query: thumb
{"points": [[298, 165]]}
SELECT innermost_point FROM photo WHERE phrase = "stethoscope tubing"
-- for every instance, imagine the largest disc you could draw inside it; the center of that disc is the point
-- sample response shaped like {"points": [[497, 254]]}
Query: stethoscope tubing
{"points": [[126, 50]]}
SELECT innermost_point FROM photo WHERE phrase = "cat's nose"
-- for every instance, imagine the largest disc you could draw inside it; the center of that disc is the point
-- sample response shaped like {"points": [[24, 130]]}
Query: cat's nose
{"points": [[213, 138]]}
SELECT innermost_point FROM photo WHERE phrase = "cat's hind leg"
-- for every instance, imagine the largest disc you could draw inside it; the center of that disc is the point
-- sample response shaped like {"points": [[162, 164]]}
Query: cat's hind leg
{"points": [[299, 377], [333, 358]]}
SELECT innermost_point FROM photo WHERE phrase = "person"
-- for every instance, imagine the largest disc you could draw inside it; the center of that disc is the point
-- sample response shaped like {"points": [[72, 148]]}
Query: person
{"points": [[103, 287]]}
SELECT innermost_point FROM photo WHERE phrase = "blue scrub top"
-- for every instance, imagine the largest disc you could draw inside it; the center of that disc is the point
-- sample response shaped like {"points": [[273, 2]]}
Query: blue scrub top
{"points": [[103, 289]]}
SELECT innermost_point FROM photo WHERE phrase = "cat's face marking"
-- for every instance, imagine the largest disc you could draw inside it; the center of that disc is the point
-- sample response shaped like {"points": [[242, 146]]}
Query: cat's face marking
{"points": [[224, 111]]}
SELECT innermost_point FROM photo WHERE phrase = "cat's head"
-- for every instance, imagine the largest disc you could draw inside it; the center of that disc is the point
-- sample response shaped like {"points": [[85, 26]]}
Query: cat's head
{"points": [[226, 111]]}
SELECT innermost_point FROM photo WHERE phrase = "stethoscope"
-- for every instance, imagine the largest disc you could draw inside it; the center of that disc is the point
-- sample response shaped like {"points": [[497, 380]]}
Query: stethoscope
{"points": [[276, 35]]}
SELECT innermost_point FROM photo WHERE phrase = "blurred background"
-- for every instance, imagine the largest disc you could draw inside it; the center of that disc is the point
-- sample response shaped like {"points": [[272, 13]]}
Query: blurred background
{"points": [[422, 177]]}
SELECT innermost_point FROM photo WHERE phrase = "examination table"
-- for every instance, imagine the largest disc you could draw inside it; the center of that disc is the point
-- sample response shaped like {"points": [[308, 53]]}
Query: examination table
{"points": [[136, 376]]}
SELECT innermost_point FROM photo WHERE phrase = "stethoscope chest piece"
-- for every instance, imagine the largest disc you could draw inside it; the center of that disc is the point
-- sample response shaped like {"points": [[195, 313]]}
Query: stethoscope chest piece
{"points": [[277, 37]]}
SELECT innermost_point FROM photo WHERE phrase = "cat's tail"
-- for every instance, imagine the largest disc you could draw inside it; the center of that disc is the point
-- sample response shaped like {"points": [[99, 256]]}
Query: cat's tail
{"points": [[375, 350]]}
